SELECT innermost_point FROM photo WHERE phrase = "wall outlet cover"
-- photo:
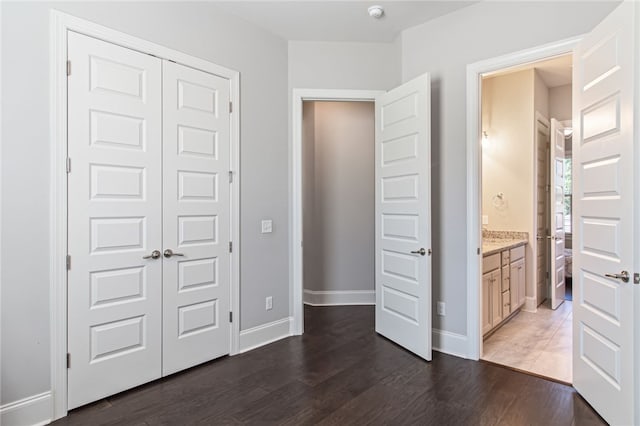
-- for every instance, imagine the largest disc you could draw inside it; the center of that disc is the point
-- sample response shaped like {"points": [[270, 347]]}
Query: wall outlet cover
{"points": [[267, 226]]}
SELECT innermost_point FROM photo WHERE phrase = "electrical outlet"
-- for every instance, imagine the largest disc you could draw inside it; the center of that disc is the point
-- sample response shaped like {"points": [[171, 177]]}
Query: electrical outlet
{"points": [[485, 219], [268, 303], [267, 226], [440, 309]]}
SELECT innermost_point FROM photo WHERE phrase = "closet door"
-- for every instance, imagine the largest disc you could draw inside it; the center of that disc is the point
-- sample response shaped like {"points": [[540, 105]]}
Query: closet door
{"points": [[196, 223], [114, 219]]}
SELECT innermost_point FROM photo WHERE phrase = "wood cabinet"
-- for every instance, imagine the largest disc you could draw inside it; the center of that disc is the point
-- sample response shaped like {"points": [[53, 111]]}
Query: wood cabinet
{"points": [[518, 283], [503, 286], [491, 300]]}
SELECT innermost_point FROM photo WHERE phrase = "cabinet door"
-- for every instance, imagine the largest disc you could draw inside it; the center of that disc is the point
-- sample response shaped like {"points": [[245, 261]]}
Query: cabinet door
{"points": [[506, 303], [486, 302], [513, 286], [505, 278], [521, 281], [496, 298]]}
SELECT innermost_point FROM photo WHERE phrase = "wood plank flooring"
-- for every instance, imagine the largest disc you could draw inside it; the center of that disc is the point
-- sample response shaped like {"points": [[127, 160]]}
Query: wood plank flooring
{"points": [[341, 373]]}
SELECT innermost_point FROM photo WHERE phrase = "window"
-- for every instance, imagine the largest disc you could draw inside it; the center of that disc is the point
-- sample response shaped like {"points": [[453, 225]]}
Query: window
{"points": [[567, 195]]}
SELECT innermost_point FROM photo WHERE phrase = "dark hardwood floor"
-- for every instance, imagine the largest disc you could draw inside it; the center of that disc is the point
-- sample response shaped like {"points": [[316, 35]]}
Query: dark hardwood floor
{"points": [[341, 373]]}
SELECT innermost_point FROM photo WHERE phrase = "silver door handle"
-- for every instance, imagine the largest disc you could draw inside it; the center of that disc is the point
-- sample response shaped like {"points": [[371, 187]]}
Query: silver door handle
{"points": [[421, 252], [154, 255], [168, 253], [623, 276]]}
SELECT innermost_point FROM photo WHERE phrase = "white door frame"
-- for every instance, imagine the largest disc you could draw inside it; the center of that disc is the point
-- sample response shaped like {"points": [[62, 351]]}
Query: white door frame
{"points": [[475, 72], [60, 25], [295, 164]]}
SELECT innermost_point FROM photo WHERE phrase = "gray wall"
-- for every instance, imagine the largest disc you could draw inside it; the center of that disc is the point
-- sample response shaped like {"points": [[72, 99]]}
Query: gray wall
{"points": [[338, 206], [444, 47], [560, 102], [199, 29], [333, 65]]}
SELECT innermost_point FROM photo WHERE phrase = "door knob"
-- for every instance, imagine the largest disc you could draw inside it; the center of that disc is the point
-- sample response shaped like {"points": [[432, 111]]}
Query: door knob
{"points": [[154, 255], [623, 276], [421, 252], [168, 253]]}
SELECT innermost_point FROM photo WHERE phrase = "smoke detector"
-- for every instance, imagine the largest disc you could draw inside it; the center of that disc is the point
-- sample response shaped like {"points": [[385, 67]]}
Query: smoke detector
{"points": [[376, 12]]}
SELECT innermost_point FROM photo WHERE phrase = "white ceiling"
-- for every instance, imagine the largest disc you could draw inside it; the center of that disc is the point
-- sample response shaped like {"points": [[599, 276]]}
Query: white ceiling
{"points": [[338, 20]]}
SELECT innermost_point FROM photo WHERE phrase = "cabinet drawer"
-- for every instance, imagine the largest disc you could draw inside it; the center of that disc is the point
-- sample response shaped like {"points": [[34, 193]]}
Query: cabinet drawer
{"points": [[505, 278], [517, 253], [489, 263], [505, 257]]}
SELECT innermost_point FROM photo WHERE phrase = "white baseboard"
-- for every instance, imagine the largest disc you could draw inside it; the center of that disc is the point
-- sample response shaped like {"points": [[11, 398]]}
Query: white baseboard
{"points": [[264, 334], [530, 304], [449, 343], [334, 298], [30, 411]]}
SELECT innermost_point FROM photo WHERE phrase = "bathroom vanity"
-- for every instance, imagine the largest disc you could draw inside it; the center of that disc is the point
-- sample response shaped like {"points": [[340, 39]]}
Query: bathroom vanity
{"points": [[503, 277]]}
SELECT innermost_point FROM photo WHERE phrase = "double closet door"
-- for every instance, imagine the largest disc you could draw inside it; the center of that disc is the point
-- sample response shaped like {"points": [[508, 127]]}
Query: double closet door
{"points": [[148, 218]]}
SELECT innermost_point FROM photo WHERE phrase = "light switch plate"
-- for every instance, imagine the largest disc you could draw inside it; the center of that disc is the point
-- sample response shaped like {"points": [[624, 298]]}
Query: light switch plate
{"points": [[267, 226], [485, 219]]}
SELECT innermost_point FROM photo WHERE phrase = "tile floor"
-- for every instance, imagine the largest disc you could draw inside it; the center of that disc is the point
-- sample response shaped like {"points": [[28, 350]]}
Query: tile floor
{"points": [[538, 342]]}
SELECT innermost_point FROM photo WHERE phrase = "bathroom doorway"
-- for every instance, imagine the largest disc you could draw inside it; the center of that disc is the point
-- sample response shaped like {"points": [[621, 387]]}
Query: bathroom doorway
{"points": [[524, 230]]}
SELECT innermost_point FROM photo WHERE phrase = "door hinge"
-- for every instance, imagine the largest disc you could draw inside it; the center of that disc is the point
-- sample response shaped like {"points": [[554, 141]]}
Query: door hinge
{"points": [[478, 250], [68, 262], [68, 165], [68, 68], [230, 176], [230, 107], [230, 247], [68, 360], [230, 316], [636, 278]]}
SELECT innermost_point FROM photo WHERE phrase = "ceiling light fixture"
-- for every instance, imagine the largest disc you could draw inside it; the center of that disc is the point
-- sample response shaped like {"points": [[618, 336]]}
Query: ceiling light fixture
{"points": [[376, 12]]}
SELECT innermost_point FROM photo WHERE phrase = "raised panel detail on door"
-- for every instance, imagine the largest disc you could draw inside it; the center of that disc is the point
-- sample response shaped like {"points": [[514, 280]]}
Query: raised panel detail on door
{"points": [[194, 274], [197, 97], [197, 318], [117, 286], [116, 182], [117, 130], [400, 226], [196, 219], [197, 186], [403, 216], [117, 338], [601, 295], [197, 142], [197, 230], [117, 234], [114, 217], [122, 79]]}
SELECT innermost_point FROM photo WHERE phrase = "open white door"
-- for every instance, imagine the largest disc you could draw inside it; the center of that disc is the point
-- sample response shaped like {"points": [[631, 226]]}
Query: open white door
{"points": [[403, 216], [556, 175], [604, 187]]}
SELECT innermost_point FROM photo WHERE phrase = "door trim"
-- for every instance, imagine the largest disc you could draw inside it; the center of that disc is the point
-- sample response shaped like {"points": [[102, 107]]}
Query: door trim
{"points": [[60, 25], [475, 72], [295, 187]]}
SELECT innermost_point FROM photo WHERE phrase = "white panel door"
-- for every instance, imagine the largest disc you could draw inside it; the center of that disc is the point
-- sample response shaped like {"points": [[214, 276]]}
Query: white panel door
{"points": [[196, 221], [403, 216], [604, 190], [556, 176], [114, 196]]}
